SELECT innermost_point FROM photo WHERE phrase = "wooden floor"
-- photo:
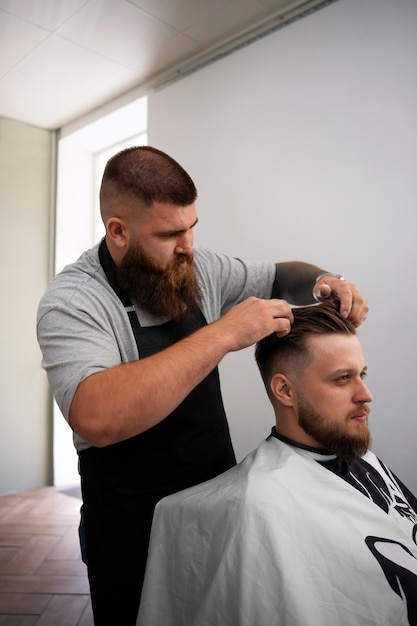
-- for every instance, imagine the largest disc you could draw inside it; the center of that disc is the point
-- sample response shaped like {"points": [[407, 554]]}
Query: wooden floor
{"points": [[42, 578]]}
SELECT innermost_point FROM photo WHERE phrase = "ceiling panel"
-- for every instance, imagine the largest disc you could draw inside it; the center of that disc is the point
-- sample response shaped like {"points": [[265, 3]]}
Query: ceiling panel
{"points": [[60, 59], [18, 38], [48, 14], [116, 30], [182, 14]]}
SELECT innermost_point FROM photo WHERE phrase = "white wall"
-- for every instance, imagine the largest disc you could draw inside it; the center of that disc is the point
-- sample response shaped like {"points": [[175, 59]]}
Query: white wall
{"points": [[304, 146], [25, 207]]}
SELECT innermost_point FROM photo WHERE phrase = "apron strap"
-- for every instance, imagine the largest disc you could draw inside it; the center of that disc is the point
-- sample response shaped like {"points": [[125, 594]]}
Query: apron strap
{"points": [[109, 268]]}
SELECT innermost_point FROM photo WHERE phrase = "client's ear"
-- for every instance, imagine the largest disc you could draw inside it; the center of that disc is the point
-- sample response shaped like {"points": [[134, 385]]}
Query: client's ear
{"points": [[283, 390]]}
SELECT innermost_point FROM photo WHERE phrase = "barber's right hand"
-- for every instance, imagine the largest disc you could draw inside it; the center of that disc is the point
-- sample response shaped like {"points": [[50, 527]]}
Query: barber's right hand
{"points": [[253, 319]]}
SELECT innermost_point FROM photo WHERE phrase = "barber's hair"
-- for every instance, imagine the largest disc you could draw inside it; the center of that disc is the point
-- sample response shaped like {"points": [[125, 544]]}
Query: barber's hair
{"points": [[290, 354], [148, 175]]}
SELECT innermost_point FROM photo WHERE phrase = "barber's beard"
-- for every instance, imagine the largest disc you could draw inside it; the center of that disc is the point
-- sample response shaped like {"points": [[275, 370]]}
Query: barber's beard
{"points": [[335, 437], [171, 292]]}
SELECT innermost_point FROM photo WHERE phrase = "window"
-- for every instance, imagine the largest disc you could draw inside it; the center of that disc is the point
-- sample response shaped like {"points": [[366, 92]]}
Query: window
{"points": [[82, 156]]}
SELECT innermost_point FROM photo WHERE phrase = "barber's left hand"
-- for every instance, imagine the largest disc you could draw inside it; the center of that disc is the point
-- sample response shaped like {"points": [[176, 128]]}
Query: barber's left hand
{"points": [[352, 304]]}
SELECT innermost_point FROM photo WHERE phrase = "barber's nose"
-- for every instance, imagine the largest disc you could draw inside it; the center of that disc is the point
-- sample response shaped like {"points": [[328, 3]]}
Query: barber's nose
{"points": [[185, 243]]}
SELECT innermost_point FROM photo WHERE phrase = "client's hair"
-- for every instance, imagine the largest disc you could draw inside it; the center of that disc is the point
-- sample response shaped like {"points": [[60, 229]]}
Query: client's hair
{"points": [[290, 354]]}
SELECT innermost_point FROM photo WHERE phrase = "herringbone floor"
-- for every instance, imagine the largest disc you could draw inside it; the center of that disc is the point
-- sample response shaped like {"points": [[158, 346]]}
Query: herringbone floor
{"points": [[43, 581]]}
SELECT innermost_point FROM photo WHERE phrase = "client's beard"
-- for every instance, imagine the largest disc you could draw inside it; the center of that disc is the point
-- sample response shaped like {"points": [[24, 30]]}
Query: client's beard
{"points": [[333, 437], [171, 292]]}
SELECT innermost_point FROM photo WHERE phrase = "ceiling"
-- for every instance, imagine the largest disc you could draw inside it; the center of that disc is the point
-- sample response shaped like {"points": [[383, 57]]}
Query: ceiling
{"points": [[60, 59]]}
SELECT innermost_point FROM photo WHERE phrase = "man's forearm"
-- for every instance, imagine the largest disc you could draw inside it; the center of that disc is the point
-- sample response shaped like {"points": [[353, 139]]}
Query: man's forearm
{"points": [[128, 399]]}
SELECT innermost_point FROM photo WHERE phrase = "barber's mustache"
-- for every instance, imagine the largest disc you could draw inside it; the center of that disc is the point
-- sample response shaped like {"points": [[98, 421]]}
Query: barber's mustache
{"points": [[183, 257]]}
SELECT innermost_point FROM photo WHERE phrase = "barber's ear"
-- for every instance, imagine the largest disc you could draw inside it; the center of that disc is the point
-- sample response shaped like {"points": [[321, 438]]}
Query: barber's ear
{"points": [[117, 230], [283, 390]]}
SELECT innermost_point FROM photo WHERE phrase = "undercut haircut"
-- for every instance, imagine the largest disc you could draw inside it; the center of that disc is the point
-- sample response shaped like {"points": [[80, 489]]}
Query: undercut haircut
{"points": [[290, 355], [147, 175]]}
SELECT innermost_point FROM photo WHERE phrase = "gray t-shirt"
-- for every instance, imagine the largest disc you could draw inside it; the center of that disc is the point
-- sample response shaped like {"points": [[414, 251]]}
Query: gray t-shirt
{"points": [[83, 327]]}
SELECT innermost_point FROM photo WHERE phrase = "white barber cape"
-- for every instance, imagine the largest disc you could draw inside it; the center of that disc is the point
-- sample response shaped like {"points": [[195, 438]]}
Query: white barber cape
{"points": [[278, 541]]}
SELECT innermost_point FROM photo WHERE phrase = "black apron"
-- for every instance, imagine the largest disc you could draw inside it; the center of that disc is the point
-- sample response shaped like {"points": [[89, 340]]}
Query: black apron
{"points": [[121, 483]]}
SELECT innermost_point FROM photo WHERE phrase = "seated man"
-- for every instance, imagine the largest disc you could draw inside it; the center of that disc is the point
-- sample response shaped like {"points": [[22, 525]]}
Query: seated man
{"points": [[311, 529]]}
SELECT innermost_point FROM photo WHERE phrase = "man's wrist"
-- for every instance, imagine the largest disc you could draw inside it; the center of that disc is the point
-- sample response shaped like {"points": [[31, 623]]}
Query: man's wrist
{"points": [[320, 276], [323, 275]]}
